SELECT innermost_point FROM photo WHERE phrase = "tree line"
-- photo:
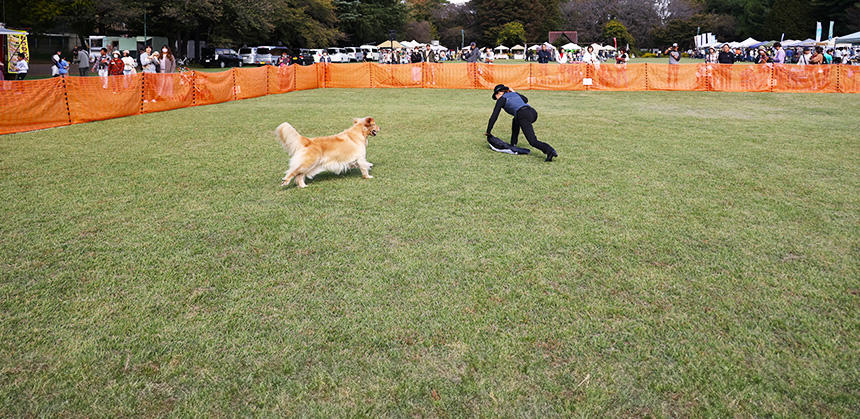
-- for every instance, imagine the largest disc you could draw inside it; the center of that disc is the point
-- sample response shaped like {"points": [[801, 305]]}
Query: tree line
{"points": [[321, 23]]}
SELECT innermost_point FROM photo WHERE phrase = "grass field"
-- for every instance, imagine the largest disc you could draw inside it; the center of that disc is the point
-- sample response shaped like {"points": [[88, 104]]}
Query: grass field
{"points": [[688, 254]]}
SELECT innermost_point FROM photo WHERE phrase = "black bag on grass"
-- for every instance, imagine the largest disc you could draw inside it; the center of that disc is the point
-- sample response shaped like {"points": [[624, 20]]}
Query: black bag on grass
{"points": [[502, 147]]}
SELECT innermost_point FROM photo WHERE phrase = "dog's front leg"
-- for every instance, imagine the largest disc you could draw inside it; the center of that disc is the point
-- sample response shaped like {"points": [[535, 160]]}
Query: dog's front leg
{"points": [[364, 166]]}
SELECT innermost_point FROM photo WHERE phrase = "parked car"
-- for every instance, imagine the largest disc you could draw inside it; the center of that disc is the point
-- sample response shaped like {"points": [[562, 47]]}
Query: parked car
{"points": [[350, 53], [304, 56], [220, 57], [316, 53], [371, 52], [248, 54], [338, 55]]}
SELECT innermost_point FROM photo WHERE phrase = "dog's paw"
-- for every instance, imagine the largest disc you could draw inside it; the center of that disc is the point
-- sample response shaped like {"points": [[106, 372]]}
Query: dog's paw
{"points": [[369, 164], [368, 177]]}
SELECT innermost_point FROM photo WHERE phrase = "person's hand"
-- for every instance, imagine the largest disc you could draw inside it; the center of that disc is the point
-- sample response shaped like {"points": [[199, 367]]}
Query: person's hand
{"points": [[487, 134]]}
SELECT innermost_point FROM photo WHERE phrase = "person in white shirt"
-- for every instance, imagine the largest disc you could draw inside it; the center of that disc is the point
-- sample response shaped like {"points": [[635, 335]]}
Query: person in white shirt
{"points": [[146, 60], [805, 58], [590, 57], [130, 66], [55, 63], [21, 66]]}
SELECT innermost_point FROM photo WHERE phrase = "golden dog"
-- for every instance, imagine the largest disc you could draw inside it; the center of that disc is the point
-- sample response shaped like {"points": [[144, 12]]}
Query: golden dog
{"points": [[335, 153]]}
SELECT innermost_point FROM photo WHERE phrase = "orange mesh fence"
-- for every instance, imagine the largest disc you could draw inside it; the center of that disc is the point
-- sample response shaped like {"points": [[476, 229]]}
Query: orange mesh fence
{"points": [[32, 104], [306, 77], [396, 75], [849, 78], [629, 77], [212, 88], [513, 76], [677, 77], [282, 79], [558, 76], [739, 78], [347, 75], [447, 76], [162, 92], [97, 98], [251, 82], [804, 78]]}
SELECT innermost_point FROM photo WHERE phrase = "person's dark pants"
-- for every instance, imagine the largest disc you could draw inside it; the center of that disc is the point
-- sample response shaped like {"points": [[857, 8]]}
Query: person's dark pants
{"points": [[526, 116], [83, 71]]}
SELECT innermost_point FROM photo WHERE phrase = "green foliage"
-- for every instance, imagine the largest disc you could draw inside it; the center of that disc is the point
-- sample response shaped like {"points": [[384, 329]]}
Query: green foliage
{"points": [[369, 20], [510, 34], [538, 17], [616, 29]]}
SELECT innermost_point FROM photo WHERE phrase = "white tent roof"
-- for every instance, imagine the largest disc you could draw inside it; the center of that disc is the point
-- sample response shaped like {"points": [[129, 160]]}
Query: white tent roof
{"points": [[853, 38], [537, 46], [518, 47], [570, 45], [501, 48], [746, 43], [6, 31], [608, 47]]}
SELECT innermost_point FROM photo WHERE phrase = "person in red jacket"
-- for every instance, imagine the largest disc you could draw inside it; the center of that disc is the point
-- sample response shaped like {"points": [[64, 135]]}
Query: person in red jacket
{"points": [[116, 65]]}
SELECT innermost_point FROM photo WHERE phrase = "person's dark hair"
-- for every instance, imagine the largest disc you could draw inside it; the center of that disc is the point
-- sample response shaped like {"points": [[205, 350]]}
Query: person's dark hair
{"points": [[589, 48], [777, 45], [819, 50], [21, 55], [104, 50]]}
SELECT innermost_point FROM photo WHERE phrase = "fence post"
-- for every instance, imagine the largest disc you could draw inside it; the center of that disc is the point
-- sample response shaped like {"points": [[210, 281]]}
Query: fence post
{"points": [[235, 87], [142, 90], [66, 96], [267, 79], [193, 88], [531, 86], [370, 73], [646, 77]]}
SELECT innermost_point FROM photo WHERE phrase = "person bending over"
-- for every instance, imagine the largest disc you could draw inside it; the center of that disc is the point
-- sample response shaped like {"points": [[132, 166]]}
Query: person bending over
{"points": [[524, 116]]}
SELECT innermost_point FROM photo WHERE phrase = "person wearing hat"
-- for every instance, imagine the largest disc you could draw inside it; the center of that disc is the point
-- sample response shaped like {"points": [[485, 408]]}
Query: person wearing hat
{"points": [[674, 54], [473, 54], [762, 56], [524, 116]]}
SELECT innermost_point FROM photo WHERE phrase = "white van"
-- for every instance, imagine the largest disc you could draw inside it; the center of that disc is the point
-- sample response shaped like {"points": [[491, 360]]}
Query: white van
{"points": [[350, 53], [264, 55], [371, 52], [338, 55], [248, 54], [317, 53]]}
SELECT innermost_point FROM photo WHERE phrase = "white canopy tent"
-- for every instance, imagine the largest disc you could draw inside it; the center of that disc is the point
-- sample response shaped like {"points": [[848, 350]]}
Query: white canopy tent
{"points": [[571, 46], [746, 43], [537, 46], [608, 47]]}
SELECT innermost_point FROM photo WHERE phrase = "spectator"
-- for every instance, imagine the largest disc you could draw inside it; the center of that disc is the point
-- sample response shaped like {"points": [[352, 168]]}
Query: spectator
{"points": [[415, 56], [55, 63], [167, 64], [818, 57], [325, 58], [828, 56], [21, 66], [129, 66], [473, 53], [63, 67], [711, 56], [2, 71], [622, 57], [489, 56], [430, 56], [725, 56], [762, 56], [283, 60], [100, 65], [674, 54], [779, 55], [590, 57], [115, 65], [805, 58], [83, 60], [544, 55], [148, 60], [359, 56]]}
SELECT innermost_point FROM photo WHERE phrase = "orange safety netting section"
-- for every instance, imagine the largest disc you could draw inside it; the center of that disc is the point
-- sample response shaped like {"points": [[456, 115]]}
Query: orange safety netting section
{"points": [[397, 75], [282, 79], [306, 77], [849, 79], [32, 104], [212, 88], [163, 92], [251, 82], [346, 75], [97, 98], [627, 77], [805, 78], [677, 77], [514, 76], [447, 76], [558, 76]]}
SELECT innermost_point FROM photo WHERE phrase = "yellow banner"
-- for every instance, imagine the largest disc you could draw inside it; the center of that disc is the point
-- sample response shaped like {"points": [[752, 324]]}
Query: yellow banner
{"points": [[14, 45]]}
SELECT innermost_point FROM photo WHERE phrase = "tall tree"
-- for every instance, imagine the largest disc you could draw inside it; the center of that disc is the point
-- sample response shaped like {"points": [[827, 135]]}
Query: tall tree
{"points": [[369, 20], [538, 17]]}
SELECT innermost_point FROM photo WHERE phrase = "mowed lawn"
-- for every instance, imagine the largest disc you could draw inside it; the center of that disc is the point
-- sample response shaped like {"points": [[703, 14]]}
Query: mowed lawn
{"points": [[688, 254]]}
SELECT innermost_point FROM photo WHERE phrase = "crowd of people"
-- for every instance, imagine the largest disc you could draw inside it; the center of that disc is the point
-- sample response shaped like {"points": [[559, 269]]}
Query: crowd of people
{"points": [[779, 55], [108, 62]]}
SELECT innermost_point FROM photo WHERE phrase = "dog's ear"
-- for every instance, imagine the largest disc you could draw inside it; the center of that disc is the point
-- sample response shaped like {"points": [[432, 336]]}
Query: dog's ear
{"points": [[369, 121], [355, 120]]}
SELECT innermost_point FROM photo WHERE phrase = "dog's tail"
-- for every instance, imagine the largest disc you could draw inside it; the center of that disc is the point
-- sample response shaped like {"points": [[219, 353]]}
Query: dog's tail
{"points": [[290, 138]]}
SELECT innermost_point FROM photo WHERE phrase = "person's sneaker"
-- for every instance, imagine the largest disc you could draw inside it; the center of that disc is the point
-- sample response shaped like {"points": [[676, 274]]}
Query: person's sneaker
{"points": [[550, 156]]}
